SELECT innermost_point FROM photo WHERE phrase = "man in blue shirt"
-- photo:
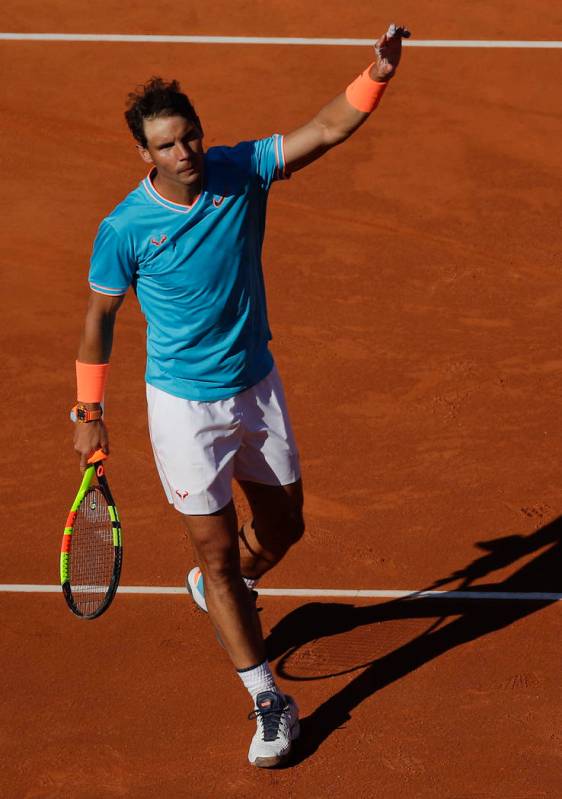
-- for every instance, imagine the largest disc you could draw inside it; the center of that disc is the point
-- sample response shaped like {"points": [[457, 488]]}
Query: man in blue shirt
{"points": [[188, 240], [196, 267]]}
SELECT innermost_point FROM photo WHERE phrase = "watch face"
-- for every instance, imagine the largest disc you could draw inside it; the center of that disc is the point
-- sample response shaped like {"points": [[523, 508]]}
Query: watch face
{"points": [[81, 414]]}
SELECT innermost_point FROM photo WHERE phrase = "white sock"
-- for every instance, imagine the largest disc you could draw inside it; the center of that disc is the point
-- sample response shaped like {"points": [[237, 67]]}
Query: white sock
{"points": [[257, 679]]}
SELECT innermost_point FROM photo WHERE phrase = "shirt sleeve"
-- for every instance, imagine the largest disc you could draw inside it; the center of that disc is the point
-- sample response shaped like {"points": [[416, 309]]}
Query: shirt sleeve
{"points": [[111, 266], [268, 159]]}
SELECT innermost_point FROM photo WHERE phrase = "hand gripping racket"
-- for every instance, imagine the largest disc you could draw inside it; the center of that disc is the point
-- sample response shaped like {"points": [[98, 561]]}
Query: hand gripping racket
{"points": [[91, 552]]}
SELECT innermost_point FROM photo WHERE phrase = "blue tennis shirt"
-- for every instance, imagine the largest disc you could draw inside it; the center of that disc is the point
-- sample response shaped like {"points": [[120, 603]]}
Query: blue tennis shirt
{"points": [[197, 273]]}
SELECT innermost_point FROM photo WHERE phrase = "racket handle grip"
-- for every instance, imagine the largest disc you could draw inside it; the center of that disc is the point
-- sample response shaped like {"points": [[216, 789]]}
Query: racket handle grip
{"points": [[97, 456]]}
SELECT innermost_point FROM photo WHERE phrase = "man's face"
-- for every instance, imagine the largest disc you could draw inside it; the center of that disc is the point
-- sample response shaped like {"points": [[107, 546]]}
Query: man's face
{"points": [[175, 148]]}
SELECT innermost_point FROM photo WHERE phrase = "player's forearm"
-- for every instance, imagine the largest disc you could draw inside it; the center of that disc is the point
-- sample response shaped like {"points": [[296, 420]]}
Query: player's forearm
{"points": [[95, 350], [97, 337], [338, 120], [97, 334], [342, 116], [335, 122]]}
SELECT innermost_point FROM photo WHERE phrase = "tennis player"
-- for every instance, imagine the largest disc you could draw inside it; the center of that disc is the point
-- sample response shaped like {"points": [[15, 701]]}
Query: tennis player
{"points": [[188, 240]]}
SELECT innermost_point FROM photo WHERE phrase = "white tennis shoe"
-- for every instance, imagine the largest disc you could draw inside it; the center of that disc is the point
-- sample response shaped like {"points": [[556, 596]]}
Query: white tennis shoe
{"points": [[196, 587], [277, 718]]}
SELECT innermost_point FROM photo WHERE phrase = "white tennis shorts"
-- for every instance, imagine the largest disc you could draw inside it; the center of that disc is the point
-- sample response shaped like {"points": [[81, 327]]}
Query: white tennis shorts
{"points": [[199, 447]]}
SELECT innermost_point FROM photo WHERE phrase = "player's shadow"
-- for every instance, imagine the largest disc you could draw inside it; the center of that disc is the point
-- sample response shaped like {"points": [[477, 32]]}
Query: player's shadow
{"points": [[540, 573]]}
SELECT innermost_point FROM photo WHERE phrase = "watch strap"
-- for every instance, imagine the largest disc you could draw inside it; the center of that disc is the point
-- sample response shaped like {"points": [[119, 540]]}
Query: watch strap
{"points": [[84, 415]]}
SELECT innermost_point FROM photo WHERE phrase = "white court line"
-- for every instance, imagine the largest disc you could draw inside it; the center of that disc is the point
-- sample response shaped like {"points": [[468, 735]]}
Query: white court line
{"points": [[282, 40], [159, 590]]}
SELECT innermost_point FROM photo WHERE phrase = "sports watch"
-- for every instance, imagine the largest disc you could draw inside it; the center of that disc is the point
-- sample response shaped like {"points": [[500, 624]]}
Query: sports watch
{"points": [[80, 413]]}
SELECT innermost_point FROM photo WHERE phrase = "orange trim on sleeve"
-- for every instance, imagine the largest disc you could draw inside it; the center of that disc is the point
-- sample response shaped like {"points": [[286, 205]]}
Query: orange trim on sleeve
{"points": [[282, 149], [364, 93], [278, 169], [90, 381], [107, 291]]}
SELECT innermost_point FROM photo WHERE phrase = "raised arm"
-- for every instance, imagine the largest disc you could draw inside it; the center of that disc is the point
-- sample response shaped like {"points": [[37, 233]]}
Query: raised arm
{"points": [[95, 349], [344, 114]]}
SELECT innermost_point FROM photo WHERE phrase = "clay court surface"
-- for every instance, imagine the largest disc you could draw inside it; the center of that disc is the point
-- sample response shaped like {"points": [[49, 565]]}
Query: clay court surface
{"points": [[415, 299]]}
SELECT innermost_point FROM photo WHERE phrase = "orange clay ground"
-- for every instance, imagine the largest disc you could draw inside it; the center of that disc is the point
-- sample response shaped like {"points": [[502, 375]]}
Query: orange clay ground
{"points": [[414, 293]]}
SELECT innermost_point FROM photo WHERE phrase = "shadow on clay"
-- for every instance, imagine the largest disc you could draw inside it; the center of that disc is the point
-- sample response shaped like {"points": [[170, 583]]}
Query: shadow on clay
{"points": [[450, 623]]}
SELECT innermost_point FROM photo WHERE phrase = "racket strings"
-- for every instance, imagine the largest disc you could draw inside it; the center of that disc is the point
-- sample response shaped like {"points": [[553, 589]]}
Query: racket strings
{"points": [[92, 554]]}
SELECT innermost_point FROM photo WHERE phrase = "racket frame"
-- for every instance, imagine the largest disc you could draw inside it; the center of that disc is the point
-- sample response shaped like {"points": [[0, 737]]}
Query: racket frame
{"points": [[94, 468]]}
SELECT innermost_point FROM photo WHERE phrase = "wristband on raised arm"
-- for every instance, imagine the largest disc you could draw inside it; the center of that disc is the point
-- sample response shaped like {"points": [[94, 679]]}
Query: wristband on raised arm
{"points": [[364, 93]]}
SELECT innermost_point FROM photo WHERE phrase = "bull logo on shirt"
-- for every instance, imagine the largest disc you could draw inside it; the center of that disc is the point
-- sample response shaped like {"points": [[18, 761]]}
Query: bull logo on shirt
{"points": [[160, 241]]}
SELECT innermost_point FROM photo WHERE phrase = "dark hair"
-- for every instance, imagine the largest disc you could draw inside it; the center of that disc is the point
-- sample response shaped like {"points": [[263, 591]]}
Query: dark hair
{"points": [[157, 98]]}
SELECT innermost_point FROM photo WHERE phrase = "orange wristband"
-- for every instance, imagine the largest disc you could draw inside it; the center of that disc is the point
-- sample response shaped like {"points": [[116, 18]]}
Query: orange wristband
{"points": [[90, 381], [364, 93]]}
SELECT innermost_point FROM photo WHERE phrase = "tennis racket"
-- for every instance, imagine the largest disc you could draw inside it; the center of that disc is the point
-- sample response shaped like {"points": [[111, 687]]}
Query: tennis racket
{"points": [[91, 551]]}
